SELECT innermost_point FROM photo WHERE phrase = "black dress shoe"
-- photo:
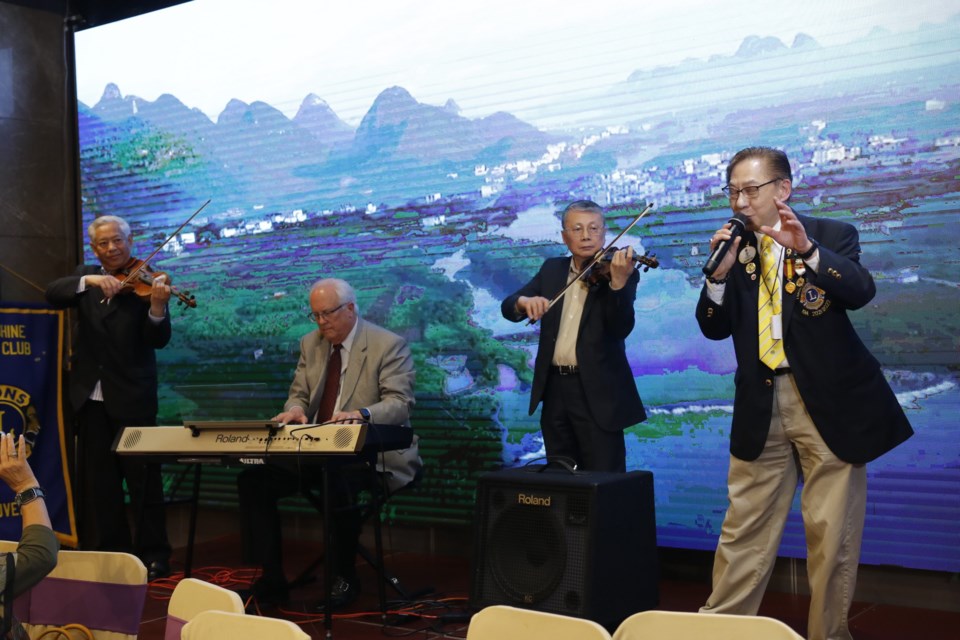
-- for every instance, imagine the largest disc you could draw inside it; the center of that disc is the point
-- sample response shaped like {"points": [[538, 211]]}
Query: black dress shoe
{"points": [[157, 569], [265, 593], [344, 594]]}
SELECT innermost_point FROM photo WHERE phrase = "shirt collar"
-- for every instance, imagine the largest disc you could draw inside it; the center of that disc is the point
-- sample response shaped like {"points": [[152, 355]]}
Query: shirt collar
{"points": [[776, 227], [347, 343]]}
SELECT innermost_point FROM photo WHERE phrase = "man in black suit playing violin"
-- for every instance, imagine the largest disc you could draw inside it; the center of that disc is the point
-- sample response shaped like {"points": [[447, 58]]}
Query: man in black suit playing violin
{"points": [[581, 372], [113, 384]]}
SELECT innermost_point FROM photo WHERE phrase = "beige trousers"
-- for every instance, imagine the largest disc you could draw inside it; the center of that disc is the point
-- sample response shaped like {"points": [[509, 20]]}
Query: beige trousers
{"points": [[760, 493]]}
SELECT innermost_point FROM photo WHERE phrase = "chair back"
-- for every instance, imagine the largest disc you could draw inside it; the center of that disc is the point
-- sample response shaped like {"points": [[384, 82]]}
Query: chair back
{"points": [[500, 622], [694, 626], [192, 597], [102, 590], [224, 625]]}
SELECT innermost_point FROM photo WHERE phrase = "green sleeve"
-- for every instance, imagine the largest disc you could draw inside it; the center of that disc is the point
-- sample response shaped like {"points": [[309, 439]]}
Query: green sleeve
{"points": [[36, 556]]}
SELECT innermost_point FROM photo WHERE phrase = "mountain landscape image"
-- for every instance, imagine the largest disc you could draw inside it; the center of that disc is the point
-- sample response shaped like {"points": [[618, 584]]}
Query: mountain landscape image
{"points": [[435, 216]]}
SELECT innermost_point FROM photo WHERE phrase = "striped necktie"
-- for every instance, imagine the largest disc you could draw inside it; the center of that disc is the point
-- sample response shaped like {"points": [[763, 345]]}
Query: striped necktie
{"points": [[768, 304]]}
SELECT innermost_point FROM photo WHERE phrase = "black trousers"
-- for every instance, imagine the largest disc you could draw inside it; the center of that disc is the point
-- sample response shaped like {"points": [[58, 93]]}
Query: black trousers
{"points": [[103, 521], [261, 488], [570, 431]]}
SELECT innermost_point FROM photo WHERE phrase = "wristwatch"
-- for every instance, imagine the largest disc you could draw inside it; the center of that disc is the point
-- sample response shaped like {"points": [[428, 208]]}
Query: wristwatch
{"points": [[365, 414], [28, 495], [806, 255]]}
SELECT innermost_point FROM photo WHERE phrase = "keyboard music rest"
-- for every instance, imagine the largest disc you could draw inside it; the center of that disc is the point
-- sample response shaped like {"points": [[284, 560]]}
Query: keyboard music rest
{"points": [[198, 425]]}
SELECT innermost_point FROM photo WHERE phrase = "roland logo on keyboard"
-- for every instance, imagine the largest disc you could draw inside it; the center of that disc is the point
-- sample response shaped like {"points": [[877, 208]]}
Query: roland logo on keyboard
{"points": [[230, 438], [533, 501]]}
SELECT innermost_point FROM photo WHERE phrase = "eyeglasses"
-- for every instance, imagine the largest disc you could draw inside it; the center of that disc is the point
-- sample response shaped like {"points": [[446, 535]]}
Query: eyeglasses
{"points": [[750, 192], [592, 230], [317, 316], [103, 245]]}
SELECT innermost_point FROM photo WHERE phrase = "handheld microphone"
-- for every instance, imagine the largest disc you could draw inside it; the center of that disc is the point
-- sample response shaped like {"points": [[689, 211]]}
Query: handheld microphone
{"points": [[736, 228]]}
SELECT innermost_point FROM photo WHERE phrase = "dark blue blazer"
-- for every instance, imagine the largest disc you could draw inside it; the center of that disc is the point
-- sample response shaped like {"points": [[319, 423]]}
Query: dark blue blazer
{"points": [[841, 383], [114, 343], [608, 318]]}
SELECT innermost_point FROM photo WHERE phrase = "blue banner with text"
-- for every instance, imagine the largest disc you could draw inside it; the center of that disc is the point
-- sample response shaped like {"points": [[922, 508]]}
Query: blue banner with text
{"points": [[31, 388]]}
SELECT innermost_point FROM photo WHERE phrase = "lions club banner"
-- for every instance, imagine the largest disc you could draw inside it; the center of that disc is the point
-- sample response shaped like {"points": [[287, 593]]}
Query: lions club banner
{"points": [[31, 387]]}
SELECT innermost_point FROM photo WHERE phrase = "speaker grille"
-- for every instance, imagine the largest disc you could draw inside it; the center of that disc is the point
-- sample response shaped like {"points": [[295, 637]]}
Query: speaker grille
{"points": [[535, 554], [343, 438], [580, 545], [131, 438], [529, 554]]}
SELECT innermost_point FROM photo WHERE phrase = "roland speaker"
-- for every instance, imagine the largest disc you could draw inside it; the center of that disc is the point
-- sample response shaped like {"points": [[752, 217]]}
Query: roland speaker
{"points": [[580, 544]]}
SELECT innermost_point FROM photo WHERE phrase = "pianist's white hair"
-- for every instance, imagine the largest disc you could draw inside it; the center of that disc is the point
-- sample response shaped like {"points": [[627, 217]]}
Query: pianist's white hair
{"points": [[345, 292]]}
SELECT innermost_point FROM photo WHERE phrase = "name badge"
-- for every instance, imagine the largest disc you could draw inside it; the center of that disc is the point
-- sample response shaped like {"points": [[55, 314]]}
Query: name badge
{"points": [[776, 327]]}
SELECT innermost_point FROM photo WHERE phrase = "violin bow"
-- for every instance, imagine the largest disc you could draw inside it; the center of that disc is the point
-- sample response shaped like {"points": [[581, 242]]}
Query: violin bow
{"points": [[22, 278], [133, 274], [596, 258]]}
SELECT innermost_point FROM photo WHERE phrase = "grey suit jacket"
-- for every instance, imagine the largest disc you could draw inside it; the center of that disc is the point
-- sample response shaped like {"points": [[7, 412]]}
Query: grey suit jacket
{"points": [[379, 377]]}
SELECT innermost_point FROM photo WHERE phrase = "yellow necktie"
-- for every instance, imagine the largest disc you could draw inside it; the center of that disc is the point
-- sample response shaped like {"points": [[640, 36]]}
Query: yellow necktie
{"points": [[768, 305]]}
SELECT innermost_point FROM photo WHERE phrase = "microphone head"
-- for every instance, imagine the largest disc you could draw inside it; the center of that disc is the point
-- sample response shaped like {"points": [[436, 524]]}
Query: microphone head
{"points": [[736, 223]]}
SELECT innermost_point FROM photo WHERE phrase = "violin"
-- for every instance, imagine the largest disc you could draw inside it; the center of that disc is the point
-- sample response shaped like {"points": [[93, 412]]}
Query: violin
{"points": [[137, 277], [607, 255], [599, 271]]}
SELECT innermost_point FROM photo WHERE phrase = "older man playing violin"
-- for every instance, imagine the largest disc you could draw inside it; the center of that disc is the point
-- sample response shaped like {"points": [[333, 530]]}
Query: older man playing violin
{"points": [[113, 384], [581, 372]]}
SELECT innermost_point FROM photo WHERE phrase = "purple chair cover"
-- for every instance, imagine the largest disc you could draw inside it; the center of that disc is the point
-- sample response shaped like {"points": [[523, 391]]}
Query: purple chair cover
{"points": [[97, 605], [174, 626]]}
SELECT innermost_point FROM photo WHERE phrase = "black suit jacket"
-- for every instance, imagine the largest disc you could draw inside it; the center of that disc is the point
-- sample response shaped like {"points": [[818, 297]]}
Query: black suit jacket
{"points": [[841, 383], [113, 343], [607, 320]]}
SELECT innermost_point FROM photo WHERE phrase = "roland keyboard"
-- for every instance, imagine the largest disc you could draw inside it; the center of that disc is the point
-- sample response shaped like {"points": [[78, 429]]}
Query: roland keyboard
{"points": [[258, 443]]}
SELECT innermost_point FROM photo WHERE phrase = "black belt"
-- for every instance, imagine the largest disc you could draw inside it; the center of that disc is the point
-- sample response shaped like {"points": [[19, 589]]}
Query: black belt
{"points": [[565, 369], [782, 371]]}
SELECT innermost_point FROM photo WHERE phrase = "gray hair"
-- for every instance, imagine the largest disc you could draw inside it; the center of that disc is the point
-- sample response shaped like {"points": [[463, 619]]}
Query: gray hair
{"points": [[103, 221], [588, 206], [345, 292]]}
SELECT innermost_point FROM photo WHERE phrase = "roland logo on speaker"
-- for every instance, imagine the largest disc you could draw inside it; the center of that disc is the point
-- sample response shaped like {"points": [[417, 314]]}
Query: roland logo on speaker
{"points": [[533, 501]]}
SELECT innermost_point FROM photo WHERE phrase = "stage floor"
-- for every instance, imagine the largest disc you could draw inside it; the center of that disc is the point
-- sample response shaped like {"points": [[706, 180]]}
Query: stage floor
{"points": [[443, 612]]}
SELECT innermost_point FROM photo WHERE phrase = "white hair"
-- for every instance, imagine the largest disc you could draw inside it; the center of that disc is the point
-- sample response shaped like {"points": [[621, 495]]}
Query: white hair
{"points": [[345, 292], [103, 221]]}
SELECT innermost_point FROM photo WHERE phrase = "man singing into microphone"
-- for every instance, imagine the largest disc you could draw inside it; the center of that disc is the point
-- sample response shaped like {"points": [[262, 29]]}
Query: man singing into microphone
{"points": [[811, 401]]}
